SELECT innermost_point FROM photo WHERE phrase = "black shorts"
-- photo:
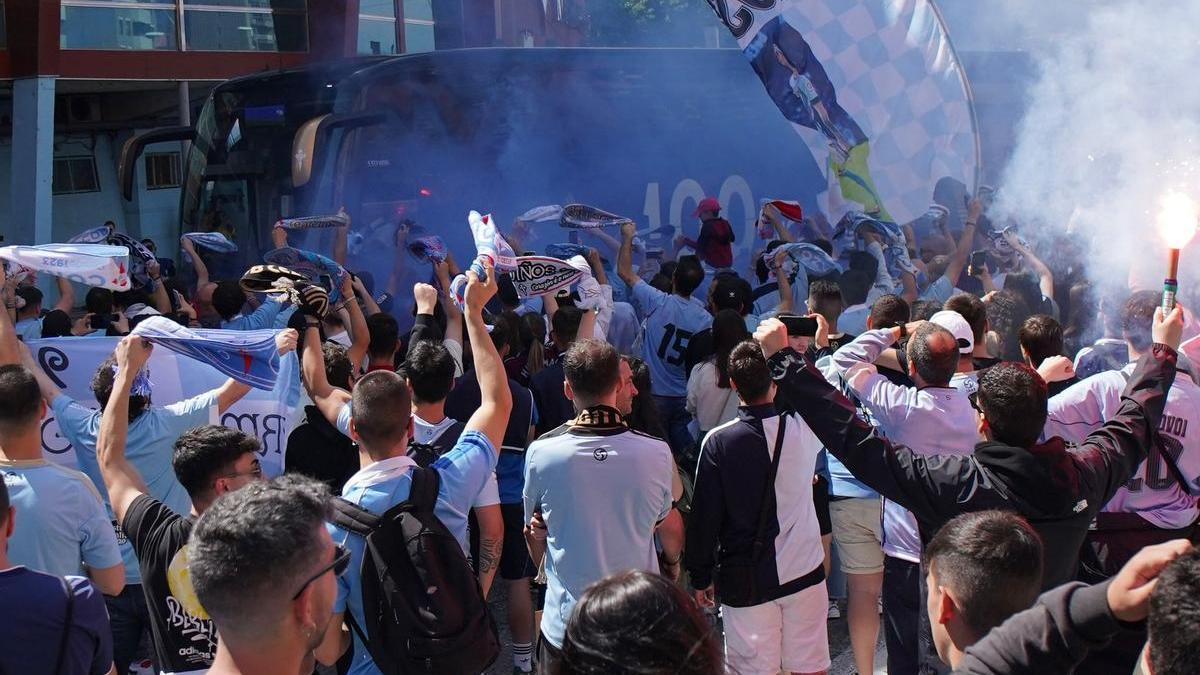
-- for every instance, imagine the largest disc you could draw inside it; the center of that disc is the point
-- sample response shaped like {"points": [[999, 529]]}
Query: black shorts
{"points": [[821, 504], [514, 556]]}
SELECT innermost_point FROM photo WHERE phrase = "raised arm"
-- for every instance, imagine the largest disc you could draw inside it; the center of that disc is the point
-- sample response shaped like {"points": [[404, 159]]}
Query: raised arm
{"points": [[454, 324], [370, 308], [1045, 276], [360, 335], [426, 298], [66, 294], [597, 265], [786, 304], [1109, 455], [161, 299], [958, 260], [123, 481], [927, 486], [328, 398], [9, 349], [771, 214], [197, 264], [495, 398], [279, 236], [625, 255], [50, 390]]}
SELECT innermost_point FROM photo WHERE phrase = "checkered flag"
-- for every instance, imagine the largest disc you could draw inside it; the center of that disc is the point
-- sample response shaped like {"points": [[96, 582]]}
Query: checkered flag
{"points": [[875, 90]]}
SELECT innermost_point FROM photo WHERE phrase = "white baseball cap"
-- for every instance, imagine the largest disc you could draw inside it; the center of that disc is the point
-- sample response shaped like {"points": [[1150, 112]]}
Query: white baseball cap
{"points": [[958, 327]]}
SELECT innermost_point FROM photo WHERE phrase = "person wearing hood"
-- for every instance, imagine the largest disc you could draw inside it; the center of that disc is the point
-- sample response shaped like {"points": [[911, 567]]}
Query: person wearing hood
{"points": [[1058, 488]]}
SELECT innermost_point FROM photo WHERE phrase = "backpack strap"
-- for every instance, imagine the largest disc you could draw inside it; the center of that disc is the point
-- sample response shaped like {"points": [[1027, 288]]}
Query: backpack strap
{"points": [[68, 620], [423, 495], [353, 518]]}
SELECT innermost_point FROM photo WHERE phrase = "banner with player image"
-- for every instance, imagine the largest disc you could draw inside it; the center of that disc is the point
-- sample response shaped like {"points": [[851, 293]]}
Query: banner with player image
{"points": [[875, 90], [265, 414]]}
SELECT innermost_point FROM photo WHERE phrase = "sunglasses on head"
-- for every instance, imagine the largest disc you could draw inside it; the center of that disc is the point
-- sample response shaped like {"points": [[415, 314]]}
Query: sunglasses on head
{"points": [[341, 561]]}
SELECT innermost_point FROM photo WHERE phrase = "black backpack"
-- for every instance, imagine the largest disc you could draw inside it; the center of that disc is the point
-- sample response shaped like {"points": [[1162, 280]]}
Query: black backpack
{"points": [[424, 610]]}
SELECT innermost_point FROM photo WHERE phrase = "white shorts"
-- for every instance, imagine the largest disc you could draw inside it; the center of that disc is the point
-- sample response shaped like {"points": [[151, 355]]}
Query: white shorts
{"points": [[787, 634]]}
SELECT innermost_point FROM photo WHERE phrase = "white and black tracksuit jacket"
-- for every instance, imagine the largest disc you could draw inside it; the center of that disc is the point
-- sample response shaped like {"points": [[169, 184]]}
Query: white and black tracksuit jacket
{"points": [[735, 463]]}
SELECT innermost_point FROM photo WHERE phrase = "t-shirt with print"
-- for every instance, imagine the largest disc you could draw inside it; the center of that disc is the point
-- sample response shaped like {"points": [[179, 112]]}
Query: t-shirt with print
{"points": [[149, 446], [601, 489], [61, 522], [185, 639], [382, 485], [31, 624], [669, 322]]}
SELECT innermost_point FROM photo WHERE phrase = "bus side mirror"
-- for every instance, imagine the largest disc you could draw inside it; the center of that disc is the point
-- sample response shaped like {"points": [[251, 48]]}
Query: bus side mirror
{"points": [[133, 148], [308, 145]]}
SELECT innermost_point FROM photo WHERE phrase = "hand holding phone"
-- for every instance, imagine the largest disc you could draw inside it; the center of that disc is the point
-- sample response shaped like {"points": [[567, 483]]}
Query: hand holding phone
{"points": [[978, 263]]}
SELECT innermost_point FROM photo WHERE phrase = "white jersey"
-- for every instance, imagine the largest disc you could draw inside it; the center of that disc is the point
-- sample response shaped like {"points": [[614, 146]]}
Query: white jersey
{"points": [[1152, 492], [930, 421]]}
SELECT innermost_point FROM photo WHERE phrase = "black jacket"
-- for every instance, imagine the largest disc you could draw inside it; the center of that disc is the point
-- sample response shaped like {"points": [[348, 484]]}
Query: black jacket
{"points": [[1058, 489], [732, 489], [1053, 636]]}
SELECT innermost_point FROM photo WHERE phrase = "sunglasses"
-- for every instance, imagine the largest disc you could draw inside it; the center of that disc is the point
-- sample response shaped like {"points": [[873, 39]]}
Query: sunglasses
{"points": [[341, 562]]}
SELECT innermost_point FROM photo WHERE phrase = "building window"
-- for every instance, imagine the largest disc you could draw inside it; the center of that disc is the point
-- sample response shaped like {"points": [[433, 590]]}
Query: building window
{"points": [[418, 26], [245, 25], [377, 27], [74, 174], [208, 25], [91, 24], [162, 170]]}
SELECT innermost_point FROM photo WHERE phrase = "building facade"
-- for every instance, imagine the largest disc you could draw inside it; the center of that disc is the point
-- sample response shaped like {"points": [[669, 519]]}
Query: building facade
{"points": [[79, 77]]}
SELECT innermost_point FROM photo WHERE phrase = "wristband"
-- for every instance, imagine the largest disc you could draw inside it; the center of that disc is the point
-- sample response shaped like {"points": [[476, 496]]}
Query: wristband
{"points": [[967, 223]]}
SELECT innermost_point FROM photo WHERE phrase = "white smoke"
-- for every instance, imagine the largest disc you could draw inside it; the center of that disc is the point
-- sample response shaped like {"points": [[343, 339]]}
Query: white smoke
{"points": [[1113, 125]]}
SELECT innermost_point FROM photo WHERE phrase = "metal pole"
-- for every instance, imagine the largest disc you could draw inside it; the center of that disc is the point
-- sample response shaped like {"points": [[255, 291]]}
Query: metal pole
{"points": [[185, 114]]}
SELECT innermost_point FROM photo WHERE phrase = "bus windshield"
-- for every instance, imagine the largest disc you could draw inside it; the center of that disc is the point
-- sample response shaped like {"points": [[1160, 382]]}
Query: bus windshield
{"points": [[642, 133]]}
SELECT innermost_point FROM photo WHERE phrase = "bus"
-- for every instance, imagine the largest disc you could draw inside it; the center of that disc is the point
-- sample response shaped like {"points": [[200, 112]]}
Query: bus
{"points": [[418, 140]]}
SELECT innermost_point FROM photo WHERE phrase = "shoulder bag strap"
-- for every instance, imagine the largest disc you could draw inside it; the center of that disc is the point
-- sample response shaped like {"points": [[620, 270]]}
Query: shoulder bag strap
{"points": [[68, 620], [768, 499]]}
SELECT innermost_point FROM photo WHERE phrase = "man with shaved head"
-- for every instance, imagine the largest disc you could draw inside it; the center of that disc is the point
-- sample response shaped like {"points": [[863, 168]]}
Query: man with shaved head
{"points": [[931, 417]]}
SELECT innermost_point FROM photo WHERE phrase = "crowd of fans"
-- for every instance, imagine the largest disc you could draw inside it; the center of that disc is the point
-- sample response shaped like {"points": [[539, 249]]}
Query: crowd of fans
{"points": [[661, 471]]}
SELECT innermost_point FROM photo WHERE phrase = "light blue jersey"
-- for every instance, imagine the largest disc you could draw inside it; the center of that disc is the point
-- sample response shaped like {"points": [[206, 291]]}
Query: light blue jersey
{"points": [[939, 291], [29, 329], [61, 522], [854, 319], [380, 486], [669, 322], [601, 496], [150, 446], [270, 314]]}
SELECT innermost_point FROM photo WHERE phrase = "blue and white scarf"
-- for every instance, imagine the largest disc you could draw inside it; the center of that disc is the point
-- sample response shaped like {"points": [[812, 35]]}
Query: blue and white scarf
{"points": [[213, 241], [96, 265], [248, 356]]}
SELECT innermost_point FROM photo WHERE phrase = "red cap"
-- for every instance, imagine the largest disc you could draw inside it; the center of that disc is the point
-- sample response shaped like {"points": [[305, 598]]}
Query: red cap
{"points": [[707, 204]]}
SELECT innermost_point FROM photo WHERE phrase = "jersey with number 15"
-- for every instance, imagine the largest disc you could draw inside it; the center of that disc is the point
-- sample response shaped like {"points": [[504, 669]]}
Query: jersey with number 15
{"points": [[669, 322]]}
